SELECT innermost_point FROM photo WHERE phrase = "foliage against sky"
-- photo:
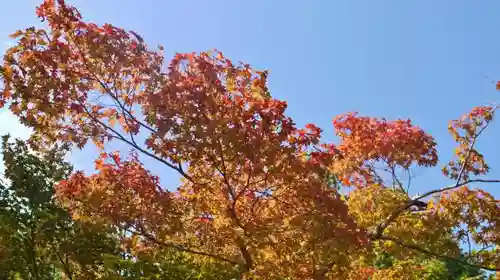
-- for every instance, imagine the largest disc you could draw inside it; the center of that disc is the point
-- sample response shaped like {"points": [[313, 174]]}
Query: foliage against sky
{"points": [[257, 192]]}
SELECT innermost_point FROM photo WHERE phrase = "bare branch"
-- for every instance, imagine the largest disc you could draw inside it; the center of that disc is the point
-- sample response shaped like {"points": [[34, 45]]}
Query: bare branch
{"points": [[469, 243], [395, 179], [456, 186], [409, 180]]}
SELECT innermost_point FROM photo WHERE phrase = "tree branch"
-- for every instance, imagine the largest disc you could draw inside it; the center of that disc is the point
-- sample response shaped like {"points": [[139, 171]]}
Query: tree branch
{"points": [[178, 247], [456, 186], [380, 228], [65, 265], [395, 179], [119, 136], [240, 242], [425, 251], [142, 150], [107, 89]]}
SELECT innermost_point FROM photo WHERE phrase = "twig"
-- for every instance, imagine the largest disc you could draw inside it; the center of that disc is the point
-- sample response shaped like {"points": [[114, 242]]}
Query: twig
{"points": [[425, 251], [415, 201]]}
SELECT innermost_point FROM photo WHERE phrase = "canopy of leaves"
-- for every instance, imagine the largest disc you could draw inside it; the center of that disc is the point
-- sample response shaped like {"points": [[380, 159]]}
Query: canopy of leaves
{"points": [[259, 195]]}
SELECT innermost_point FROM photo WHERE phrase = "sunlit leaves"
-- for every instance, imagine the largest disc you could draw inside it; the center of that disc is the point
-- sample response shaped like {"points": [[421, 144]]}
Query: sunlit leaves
{"points": [[465, 132], [474, 213], [367, 141], [213, 121], [257, 192], [60, 81]]}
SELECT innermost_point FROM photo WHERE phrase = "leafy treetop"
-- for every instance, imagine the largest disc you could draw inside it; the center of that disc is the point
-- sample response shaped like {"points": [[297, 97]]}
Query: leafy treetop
{"points": [[257, 192]]}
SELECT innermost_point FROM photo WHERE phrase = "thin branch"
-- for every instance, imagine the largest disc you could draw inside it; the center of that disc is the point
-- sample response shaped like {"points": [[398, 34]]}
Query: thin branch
{"points": [[65, 264], [381, 227], [66, 268], [132, 141], [456, 186], [125, 110], [142, 150], [471, 147], [241, 244], [416, 201], [151, 238], [425, 251], [107, 89], [483, 249], [395, 179], [33, 254], [178, 247], [409, 180], [371, 167], [469, 243]]}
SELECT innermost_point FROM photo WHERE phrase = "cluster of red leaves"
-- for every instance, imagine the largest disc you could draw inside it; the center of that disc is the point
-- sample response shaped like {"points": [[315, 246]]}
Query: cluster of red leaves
{"points": [[60, 82], [122, 192], [365, 273], [365, 141], [207, 96]]}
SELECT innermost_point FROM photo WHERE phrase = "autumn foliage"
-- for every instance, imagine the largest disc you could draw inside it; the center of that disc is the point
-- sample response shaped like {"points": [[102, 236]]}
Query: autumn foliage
{"points": [[257, 192]]}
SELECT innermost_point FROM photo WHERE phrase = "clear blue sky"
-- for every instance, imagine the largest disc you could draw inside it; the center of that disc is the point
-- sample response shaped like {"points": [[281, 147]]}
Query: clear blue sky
{"points": [[425, 60]]}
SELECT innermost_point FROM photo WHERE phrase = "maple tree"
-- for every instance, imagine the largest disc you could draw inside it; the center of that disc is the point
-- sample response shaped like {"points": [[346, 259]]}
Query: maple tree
{"points": [[257, 192]]}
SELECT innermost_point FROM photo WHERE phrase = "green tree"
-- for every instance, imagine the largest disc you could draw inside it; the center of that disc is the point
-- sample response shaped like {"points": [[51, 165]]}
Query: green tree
{"points": [[39, 239], [431, 268]]}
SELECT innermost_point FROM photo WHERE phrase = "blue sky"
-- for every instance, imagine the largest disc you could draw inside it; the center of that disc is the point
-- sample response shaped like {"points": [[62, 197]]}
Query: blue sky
{"points": [[425, 60]]}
